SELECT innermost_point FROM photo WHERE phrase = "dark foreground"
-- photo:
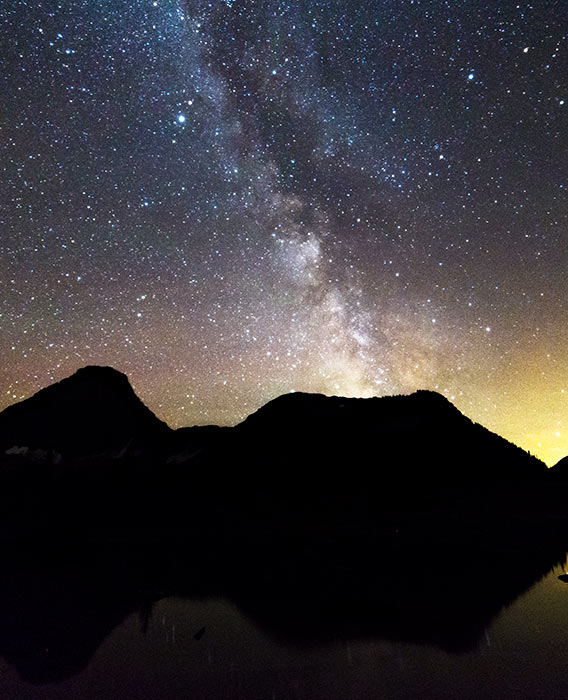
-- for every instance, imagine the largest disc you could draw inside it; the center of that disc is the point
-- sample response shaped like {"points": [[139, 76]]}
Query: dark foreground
{"points": [[358, 531], [143, 623]]}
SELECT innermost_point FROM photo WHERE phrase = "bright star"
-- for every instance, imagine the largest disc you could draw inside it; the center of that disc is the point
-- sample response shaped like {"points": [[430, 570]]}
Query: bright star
{"points": [[181, 118]]}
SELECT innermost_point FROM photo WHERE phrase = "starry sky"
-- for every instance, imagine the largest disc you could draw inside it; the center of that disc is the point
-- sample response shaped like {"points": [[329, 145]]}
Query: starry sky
{"points": [[234, 199]]}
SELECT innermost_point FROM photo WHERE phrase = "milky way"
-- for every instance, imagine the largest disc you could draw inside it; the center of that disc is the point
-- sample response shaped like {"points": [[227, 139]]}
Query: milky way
{"points": [[230, 200]]}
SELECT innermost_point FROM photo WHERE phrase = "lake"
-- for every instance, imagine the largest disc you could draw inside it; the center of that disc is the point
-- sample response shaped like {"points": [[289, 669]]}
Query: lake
{"points": [[209, 649]]}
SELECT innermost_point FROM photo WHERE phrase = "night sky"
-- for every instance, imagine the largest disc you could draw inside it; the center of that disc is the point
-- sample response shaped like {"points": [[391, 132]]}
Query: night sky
{"points": [[230, 200]]}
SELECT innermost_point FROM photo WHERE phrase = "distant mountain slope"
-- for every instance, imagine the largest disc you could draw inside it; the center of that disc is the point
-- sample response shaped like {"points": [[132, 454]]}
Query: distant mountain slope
{"points": [[420, 436], [94, 411], [560, 470]]}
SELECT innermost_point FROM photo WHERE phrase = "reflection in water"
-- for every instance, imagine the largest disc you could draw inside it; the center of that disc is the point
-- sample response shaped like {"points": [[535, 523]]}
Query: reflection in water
{"points": [[523, 656], [54, 618]]}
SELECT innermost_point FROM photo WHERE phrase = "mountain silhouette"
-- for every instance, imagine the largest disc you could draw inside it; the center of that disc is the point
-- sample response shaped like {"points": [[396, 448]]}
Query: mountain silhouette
{"points": [[560, 470], [96, 412], [93, 412], [421, 435], [302, 466]]}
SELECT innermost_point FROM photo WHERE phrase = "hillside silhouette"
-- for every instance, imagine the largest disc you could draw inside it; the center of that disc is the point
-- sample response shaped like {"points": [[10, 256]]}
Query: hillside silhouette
{"points": [[87, 451], [560, 470], [422, 436], [93, 412]]}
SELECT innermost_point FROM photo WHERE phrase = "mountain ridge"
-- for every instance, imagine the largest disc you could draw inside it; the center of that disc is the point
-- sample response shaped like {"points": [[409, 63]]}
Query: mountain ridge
{"points": [[303, 468], [95, 411]]}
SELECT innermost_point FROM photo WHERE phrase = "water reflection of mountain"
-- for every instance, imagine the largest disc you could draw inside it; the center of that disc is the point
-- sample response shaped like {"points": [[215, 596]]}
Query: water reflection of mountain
{"points": [[53, 617], [443, 599]]}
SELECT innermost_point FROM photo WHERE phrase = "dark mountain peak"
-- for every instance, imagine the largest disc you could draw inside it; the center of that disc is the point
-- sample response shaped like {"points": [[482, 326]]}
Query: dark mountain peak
{"points": [[294, 396], [422, 434], [94, 411], [294, 399], [433, 397], [84, 381], [428, 400], [298, 397], [299, 406], [560, 470], [294, 407], [99, 373], [87, 383]]}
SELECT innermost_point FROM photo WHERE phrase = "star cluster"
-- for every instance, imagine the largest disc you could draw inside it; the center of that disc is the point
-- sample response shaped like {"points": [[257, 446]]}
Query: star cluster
{"points": [[233, 199]]}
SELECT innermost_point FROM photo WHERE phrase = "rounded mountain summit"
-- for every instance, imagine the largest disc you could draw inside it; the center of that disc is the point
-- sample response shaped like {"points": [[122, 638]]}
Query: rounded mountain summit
{"points": [[94, 411]]}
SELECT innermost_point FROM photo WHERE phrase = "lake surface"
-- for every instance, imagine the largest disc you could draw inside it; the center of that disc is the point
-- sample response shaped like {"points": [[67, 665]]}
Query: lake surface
{"points": [[209, 649]]}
